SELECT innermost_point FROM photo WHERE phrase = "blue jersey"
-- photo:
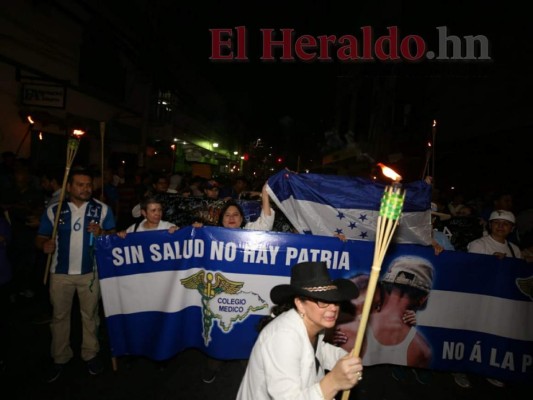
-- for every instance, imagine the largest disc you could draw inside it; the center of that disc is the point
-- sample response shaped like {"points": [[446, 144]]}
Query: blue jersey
{"points": [[73, 253]]}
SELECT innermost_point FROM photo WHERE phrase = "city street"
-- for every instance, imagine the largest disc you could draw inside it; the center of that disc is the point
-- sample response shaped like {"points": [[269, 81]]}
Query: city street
{"points": [[180, 377]]}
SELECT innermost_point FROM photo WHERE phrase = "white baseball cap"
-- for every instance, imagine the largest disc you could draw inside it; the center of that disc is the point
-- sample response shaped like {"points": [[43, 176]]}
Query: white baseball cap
{"points": [[502, 214], [411, 271]]}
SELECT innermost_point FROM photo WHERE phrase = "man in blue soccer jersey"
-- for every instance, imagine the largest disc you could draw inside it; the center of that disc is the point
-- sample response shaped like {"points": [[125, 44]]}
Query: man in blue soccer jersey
{"points": [[73, 269]]}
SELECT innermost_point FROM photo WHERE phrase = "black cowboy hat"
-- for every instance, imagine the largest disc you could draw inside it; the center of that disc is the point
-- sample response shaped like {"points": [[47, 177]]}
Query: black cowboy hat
{"points": [[311, 279]]}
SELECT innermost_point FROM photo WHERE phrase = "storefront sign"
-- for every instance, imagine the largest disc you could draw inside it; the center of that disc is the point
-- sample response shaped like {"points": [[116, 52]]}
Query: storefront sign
{"points": [[43, 95]]}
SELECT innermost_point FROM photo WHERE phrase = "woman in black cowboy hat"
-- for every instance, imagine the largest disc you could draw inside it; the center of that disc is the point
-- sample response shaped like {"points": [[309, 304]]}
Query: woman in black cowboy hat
{"points": [[290, 356]]}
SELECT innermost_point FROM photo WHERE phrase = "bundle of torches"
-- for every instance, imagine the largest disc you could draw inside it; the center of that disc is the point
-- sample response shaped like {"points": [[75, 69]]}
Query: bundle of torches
{"points": [[389, 216]]}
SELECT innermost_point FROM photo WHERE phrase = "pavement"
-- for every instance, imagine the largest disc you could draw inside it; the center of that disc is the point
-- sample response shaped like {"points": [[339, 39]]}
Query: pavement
{"points": [[180, 377]]}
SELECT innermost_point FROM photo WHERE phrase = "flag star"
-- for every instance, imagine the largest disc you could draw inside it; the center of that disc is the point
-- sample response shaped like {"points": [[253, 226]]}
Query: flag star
{"points": [[352, 225], [362, 217], [340, 215], [363, 235], [338, 231]]}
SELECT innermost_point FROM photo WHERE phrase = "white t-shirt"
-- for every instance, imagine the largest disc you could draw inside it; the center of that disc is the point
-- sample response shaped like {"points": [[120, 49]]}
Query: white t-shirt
{"points": [[141, 228], [487, 245]]}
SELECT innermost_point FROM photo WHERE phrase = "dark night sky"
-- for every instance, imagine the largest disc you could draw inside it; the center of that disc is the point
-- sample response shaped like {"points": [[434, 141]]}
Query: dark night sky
{"points": [[280, 88], [471, 100]]}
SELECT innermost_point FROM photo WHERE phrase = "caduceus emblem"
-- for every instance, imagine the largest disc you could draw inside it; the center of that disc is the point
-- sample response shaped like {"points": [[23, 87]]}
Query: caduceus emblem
{"points": [[203, 283], [526, 286]]}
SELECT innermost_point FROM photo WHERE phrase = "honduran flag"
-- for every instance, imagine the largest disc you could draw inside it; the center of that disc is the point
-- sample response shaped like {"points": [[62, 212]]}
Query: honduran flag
{"points": [[325, 205]]}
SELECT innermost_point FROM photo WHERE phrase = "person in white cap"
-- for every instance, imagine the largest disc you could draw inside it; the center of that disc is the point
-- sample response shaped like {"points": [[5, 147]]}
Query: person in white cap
{"points": [[405, 286], [501, 225]]}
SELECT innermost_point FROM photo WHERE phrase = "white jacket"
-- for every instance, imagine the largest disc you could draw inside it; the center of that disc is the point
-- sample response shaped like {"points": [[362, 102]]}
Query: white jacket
{"points": [[263, 223], [282, 363]]}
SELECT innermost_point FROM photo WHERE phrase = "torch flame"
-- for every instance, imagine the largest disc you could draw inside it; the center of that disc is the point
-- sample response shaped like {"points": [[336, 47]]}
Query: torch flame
{"points": [[390, 173], [78, 133], [30, 119], [434, 123]]}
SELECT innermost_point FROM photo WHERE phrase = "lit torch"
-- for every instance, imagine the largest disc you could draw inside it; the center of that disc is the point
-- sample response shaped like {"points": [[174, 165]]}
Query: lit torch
{"points": [[390, 173], [434, 146], [102, 137], [28, 131], [425, 171], [389, 216], [72, 148], [173, 148]]}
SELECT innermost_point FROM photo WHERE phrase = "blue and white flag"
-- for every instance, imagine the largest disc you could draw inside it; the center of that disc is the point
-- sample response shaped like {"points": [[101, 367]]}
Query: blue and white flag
{"points": [[328, 204], [209, 288]]}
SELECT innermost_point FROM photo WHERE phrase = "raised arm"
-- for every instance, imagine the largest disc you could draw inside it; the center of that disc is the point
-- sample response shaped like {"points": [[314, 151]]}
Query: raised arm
{"points": [[265, 200]]}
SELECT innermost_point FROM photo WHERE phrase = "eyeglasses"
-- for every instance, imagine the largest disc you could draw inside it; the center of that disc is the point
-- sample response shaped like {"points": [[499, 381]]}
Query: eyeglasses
{"points": [[320, 303]]}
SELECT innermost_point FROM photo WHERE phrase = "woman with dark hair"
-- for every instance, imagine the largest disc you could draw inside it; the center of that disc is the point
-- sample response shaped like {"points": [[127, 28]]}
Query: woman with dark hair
{"points": [[290, 357], [232, 216]]}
